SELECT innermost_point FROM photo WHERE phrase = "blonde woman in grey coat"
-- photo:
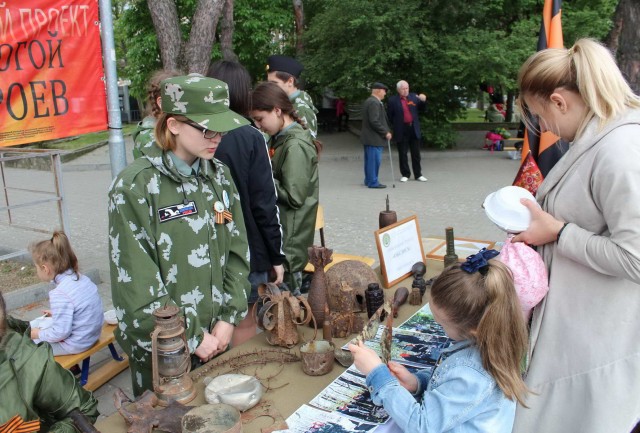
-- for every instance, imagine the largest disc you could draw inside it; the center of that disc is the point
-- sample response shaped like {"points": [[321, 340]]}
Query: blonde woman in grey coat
{"points": [[584, 358]]}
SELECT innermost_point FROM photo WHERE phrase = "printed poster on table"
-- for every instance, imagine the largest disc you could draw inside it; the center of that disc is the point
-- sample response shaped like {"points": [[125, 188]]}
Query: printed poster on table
{"points": [[310, 420], [345, 405], [51, 74], [399, 248], [349, 396]]}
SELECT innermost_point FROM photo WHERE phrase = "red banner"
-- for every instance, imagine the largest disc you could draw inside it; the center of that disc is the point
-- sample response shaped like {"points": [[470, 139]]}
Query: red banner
{"points": [[51, 76]]}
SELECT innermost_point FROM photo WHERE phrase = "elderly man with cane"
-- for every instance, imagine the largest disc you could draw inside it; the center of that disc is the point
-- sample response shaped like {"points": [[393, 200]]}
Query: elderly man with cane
{"points": [[375, 134]]}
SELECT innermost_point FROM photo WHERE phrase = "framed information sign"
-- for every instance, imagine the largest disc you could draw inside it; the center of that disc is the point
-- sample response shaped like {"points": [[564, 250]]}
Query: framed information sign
{"points": [[399, 248]]}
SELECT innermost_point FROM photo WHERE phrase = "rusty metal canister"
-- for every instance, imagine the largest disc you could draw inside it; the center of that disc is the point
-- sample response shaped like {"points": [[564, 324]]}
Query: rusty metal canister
{"points": [[450, 258], [374, 298], [387, 217]]}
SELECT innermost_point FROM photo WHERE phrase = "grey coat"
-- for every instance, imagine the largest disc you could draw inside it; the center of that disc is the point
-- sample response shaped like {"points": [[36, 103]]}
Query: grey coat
{"points": [[585, 336], [374, 123]]}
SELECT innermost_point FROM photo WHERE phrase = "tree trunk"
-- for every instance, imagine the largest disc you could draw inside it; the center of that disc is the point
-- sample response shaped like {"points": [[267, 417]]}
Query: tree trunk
{"points": [[226, 32], [299, 15], [203, 34], [511, 96], [165, 20], [623, 41]]}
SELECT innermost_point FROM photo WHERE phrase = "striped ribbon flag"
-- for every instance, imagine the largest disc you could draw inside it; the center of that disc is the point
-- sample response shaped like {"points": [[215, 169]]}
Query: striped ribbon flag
{"points": [[547, 148], [17, 425]]}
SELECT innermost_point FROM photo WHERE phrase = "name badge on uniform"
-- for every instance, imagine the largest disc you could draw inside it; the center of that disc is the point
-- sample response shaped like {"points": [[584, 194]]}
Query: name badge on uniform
{"points": [[179, 210]]}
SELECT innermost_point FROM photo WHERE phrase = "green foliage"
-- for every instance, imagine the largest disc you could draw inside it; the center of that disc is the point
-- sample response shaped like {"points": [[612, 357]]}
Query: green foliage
{"points": [[587, 18], [439, 47], [137, 48], [352, 44], [442, 48], [471, 115], [262, 28], [440, 135]]}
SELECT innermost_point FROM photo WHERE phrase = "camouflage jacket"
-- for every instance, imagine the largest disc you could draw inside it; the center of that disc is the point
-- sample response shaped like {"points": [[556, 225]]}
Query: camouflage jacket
{"points": [[166, 248], [34, 386], [295, 172], [143, 136], [306, 110]]}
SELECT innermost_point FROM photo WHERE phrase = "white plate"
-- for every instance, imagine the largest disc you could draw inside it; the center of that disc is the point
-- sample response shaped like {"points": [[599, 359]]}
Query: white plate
{"points": [[504, 209]]}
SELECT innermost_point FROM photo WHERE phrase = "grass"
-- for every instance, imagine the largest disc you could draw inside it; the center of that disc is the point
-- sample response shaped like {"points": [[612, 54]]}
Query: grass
{"points": [[14, 275], [80, 141], [473, 120], [472, 115]]}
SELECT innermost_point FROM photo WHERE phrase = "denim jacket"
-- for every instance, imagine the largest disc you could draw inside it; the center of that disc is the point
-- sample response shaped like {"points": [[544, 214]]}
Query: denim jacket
{"points": [[460, 396]]}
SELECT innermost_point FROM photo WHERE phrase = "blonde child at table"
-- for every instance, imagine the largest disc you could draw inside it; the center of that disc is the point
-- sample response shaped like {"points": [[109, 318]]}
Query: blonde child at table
{"points": [[476, 382], [76, 308]]}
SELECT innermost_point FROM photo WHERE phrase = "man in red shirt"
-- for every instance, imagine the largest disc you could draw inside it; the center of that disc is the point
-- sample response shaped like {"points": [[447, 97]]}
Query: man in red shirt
{"points": [[403, 112]]}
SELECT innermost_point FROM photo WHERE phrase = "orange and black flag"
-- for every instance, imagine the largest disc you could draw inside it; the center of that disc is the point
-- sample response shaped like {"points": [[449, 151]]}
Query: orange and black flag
{"points": [[546, 148]]}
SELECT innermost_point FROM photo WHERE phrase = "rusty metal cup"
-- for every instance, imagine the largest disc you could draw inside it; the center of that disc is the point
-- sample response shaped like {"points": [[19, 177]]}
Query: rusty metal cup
{"points": [[317, 357]]}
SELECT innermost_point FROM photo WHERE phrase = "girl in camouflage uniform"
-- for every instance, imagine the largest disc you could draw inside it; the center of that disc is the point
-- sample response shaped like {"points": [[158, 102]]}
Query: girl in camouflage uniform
{"points": [[176, 230], [294, 159]]}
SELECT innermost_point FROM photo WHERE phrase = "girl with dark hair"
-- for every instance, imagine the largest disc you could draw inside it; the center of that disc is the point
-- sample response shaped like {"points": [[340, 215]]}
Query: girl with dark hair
{"points": [[75, 318], [294, 157], [244, 151], [476, 382]]}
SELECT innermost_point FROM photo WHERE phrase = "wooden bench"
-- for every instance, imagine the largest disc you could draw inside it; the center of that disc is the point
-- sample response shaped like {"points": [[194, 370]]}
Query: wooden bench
{"points": [[105, 372], [513, 147], [513, 143]]}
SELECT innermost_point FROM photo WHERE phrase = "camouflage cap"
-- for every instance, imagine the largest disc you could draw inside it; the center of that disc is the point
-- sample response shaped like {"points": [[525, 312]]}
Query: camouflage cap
{"points": [[202, 100]]}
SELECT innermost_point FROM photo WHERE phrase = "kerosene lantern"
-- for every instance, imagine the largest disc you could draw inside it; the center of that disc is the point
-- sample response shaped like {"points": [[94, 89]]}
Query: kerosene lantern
{"points": [[171, 362]]}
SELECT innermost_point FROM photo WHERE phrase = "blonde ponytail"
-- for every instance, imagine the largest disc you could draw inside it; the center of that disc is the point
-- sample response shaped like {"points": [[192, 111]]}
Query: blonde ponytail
{"points": [[57, 252], [589, 69], [485, 308], [600, 82], [501, 334]]}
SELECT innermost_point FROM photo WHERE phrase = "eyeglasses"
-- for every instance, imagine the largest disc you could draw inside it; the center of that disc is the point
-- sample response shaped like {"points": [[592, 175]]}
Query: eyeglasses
{"points": [[206, 133]]}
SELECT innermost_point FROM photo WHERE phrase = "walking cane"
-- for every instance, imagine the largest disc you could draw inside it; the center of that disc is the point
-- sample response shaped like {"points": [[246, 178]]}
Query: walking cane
{"points": [[393, 178]]}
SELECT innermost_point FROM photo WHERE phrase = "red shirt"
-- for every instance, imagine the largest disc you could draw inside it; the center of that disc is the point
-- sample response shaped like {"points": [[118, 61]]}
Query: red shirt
{"points": [[408, 118]]}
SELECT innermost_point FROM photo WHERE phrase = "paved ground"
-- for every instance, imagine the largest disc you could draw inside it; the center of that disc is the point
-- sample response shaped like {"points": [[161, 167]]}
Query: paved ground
{"points": [[458, 183]]}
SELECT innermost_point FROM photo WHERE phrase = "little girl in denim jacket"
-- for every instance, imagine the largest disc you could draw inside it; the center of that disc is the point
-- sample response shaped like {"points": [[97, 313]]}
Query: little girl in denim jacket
{"points": [[476, 382]]}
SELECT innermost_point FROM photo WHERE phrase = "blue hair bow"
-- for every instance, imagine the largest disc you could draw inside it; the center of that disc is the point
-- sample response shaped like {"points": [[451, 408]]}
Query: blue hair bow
{"points": [[479, 261]]}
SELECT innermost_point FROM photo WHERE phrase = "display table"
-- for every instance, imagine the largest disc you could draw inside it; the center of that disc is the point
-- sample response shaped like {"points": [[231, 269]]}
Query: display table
{"points": [[288, 387]]}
